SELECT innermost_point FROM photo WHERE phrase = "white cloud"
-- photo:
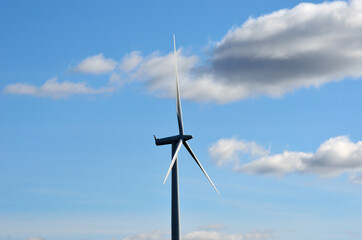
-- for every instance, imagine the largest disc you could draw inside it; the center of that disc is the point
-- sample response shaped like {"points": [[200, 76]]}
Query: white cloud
{"points": [[356, 178], [131, 61], [115, 78], [158, 73], [203, 235], [334, 157], [96, 65], [227, 151], [52, 88], [278, 164], [213, 227], [214, 235], [154, 235], [306, 46]]}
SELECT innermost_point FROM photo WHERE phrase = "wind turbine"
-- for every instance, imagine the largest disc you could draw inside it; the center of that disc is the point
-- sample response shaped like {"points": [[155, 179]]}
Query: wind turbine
{"points": [[177, 141]]}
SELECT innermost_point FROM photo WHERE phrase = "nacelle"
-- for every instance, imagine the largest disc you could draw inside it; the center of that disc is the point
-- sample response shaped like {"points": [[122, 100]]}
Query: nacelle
{"points": [[172, 139]]}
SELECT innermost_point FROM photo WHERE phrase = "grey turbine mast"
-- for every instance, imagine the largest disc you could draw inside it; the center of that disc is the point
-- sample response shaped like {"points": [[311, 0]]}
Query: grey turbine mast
{"points": [[177, 141]]}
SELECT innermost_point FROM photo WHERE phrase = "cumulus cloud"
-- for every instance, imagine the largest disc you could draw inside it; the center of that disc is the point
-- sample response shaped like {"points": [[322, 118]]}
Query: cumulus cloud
{"points": [[96, 65], [157, 71], [54, 89], [227, 151], [306, 46], [278, 164], [203, 235], [334, 157]]}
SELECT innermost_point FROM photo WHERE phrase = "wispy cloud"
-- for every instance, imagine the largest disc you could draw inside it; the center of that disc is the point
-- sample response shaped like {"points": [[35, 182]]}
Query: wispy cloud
{"points": [[54, 89], [215, 235], [214, 226], [130, 61], [153, 235], [334, 157], [203, 235], [356, 178], [96, 65]]}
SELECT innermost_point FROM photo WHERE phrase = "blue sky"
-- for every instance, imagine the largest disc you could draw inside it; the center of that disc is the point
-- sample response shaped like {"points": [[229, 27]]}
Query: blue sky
{"points": [[271, 92]]}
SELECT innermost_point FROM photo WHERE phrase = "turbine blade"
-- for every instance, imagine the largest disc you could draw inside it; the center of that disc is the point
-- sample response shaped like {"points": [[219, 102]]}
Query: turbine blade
{"points": [[173, 160], [178, 101], [187, 146]]}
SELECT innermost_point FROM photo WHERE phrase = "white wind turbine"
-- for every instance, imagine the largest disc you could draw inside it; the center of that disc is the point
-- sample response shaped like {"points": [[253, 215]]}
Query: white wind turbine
{"points": [[177, 141]]}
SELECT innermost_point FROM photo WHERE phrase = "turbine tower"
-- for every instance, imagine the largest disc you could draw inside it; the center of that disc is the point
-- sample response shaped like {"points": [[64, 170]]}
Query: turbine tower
{"points": [[177, 141]]}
